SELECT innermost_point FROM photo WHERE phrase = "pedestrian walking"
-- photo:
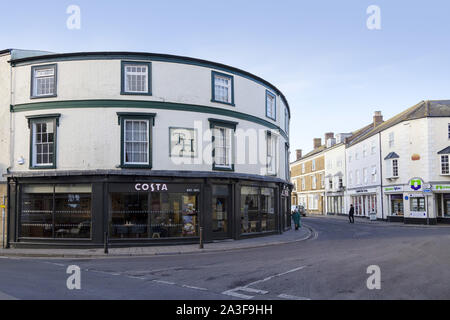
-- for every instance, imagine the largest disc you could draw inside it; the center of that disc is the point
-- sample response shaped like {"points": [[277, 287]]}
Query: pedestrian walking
{"points": [[351, 214], [296, 218]]}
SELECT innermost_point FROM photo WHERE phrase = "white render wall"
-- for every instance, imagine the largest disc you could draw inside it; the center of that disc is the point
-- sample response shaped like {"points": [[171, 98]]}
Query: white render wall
{"points": [[89, 138], [372, 159], [334, 156], [5, 94]]}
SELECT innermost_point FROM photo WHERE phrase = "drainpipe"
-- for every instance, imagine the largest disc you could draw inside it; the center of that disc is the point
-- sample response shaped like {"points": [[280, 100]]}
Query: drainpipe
{"points": [[381, 178]]}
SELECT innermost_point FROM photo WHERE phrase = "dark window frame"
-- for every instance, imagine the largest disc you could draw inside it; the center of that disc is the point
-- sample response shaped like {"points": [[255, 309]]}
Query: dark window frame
{"points": [[150, 117], [123, 91], [213, 87], [46, 66], [268, 93], [41, 118], [213, 123]]}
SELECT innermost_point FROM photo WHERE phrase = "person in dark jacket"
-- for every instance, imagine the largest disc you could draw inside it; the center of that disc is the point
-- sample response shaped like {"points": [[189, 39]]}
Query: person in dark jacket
{"points": [[296, 218], [351, 214]]}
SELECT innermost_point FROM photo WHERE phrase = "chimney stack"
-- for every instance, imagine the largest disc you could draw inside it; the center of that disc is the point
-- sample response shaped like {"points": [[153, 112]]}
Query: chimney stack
{"points": [[329, 135], [317, 142], [299, 154], [377, 118]]}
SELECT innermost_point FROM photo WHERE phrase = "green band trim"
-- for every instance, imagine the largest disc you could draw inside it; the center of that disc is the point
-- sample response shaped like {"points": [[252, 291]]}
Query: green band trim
{"points": [[126, 104]]}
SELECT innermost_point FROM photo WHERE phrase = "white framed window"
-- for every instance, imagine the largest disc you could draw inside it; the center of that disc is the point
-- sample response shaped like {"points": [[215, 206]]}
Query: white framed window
{"points": [[341, 183], [445, 164], [350, 178], [136, 78], [222, 88], [356, 155], [313, 165], [357, 177], [286, 121], [313, 182], [271, 153], [365, 176], [364, 151], [43, 81], [303, 184], [372, 147], [43, 137], [322, 180], [223, 147], [349, 158], [374, 173], [271, 109], [303, 168], [391, 140], [395, 168], [136, 142], [330, 183]]}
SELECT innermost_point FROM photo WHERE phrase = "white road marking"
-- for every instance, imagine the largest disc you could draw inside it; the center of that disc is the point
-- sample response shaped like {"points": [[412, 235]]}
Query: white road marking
{"points": [[233, 293], [275, 275], [253, 290], [164, 282], [290, 297], [192, 287]]}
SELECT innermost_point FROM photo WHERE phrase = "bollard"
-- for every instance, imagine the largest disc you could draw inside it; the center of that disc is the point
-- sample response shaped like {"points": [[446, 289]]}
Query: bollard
{"points": [[106, 243], [201, 238]]}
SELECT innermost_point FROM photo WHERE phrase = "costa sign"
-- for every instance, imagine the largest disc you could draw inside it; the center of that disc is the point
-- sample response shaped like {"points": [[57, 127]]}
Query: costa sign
{"points": [[151, 187]]}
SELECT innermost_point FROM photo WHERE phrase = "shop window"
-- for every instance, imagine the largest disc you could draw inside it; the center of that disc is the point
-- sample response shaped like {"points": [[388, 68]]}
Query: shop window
{"points": [[43, 129], [258, 212], [136, 78], [43, 81], [136, 139], [271, 109], [56, 211], [417, 204], [153, 215], [222, 88]]}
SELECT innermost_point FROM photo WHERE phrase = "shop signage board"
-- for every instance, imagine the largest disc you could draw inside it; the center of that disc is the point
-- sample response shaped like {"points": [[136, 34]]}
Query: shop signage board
{"points": [[393, 189], [362, 191], [416, 184], [414, 214], [154, 187], [441, 187]]}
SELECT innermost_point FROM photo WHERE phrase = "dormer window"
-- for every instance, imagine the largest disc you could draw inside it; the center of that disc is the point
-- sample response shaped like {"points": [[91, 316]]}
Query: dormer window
{"points": [[392, 165], [444, 157]]}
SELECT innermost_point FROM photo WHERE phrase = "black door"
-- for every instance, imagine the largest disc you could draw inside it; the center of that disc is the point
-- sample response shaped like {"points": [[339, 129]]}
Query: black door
{"points": [[221, 212]]}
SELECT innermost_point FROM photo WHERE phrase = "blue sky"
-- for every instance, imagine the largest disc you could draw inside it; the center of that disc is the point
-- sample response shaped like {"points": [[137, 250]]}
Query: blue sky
{"points": [[333, 70]]}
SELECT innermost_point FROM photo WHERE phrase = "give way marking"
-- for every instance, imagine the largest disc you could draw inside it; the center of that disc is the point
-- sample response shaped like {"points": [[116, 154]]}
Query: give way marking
{"points": [[234, 292]]}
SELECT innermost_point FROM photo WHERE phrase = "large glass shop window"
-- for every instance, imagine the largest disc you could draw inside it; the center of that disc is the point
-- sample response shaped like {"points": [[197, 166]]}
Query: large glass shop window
{"points": [[153, 215], [56, 211], [257, 209]]}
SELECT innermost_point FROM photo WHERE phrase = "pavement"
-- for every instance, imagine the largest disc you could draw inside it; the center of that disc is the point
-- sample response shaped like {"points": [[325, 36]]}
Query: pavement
{"points": [[223, 245]]}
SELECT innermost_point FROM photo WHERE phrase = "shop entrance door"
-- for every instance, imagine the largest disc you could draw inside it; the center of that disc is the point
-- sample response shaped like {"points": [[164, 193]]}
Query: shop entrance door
{"points": [[221, 214], [446, 201]]}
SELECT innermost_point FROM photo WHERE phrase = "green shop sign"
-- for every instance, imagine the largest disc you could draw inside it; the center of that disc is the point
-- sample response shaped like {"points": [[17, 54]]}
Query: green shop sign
{"points": [[416, 184]]}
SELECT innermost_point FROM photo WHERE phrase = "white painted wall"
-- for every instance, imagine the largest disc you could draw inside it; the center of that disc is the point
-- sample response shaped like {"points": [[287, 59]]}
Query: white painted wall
{"points": [[90, 138], [5, 89], [335, 163]]}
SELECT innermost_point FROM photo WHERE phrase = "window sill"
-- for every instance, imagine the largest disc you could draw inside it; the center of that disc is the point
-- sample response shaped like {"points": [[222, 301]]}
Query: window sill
{"points": [[124, 93], [43, 97], [42, 167], [222, 102], [218, 168], [135, 166]]}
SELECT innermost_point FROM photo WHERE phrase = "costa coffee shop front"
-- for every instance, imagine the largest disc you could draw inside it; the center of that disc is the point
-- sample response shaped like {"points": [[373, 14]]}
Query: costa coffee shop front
{"points": [[137, 210]]}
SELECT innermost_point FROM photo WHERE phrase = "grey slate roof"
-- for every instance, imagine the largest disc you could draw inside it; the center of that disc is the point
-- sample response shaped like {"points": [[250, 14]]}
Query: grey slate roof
{"points": [[392, 155], [445, 151]]}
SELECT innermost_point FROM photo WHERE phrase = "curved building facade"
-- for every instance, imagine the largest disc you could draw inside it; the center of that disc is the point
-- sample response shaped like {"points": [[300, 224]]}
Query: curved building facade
{"points": [[141, 149]]}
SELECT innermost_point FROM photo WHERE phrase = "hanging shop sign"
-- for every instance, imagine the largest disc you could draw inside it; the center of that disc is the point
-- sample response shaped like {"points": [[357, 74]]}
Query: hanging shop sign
{"points": [[416, 184]]}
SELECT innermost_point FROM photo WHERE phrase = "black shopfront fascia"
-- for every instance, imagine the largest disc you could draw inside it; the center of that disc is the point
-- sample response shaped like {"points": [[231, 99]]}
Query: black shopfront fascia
{"points": [[102, 186]]}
